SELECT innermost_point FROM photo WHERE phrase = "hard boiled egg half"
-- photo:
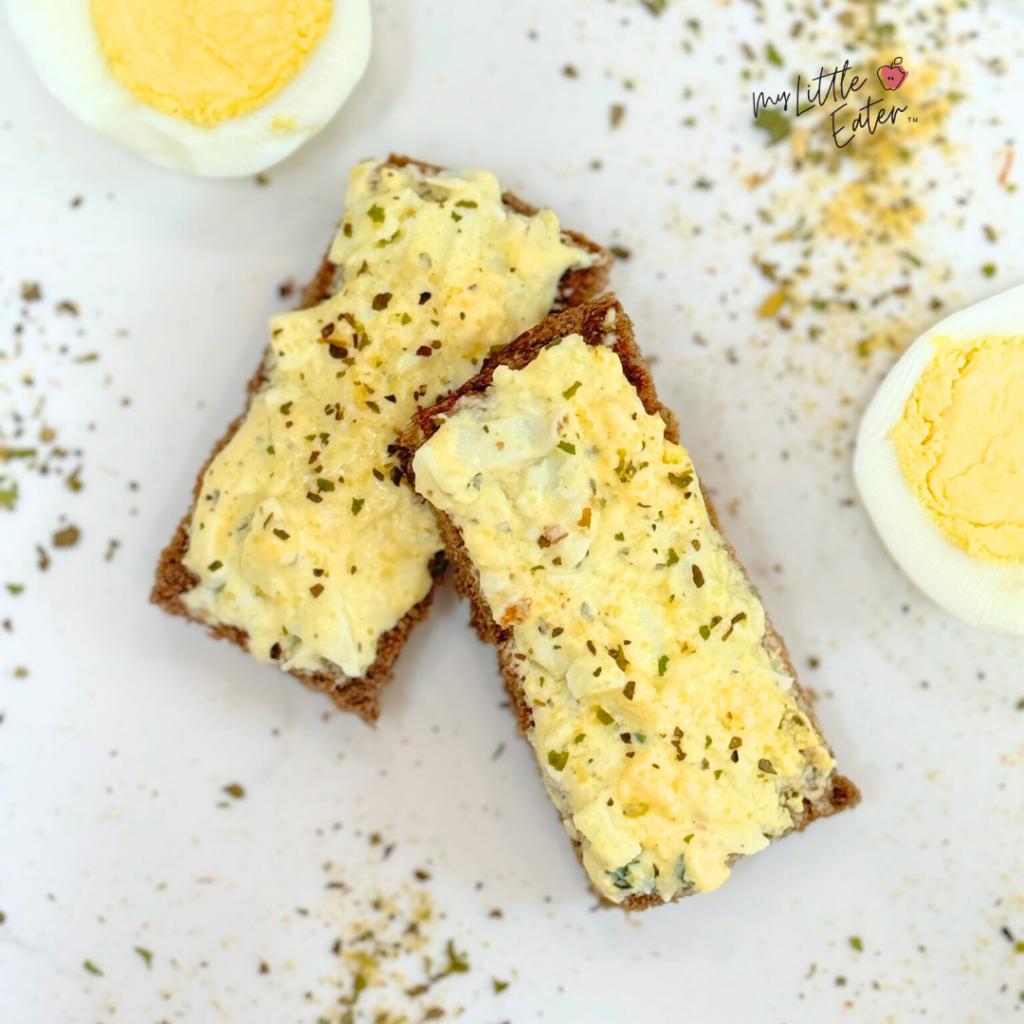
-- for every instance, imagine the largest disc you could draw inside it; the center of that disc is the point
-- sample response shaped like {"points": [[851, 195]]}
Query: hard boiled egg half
{"points": [[940, 463], [215, 87]]}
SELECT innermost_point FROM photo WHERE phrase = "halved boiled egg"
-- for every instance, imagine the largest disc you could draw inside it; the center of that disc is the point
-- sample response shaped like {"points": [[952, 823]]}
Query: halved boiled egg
{"points": [[940, 463], [216, 87]]}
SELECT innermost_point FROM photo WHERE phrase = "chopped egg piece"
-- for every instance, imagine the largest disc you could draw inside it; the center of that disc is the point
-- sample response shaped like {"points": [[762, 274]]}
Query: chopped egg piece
{"points": [[216, 88], [940, 463]]}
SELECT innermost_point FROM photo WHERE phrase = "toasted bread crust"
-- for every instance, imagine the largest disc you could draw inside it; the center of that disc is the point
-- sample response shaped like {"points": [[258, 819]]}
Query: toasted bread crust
{"points": [[589, 321], [359, 694]]}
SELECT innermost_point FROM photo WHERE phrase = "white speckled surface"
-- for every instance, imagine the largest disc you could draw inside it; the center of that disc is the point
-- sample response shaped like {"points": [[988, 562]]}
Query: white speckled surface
{"points": [[115, 832]]}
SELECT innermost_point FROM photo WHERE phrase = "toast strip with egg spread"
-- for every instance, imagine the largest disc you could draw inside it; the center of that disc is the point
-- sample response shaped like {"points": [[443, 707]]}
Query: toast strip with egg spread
{"points": [[662, 708], [304, 544]]}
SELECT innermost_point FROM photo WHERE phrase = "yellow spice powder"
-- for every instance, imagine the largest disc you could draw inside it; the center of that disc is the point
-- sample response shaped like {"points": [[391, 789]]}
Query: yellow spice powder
{"points": [[961, 444], [208, 60]]}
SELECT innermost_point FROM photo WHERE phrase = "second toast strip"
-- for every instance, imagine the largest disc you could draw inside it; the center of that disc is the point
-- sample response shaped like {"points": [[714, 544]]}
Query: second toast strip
{"points": [[664, 713]]}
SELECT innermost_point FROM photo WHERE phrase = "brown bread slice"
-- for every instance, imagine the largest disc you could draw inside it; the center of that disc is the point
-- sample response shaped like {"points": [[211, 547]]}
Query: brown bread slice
{"points": [[173, 580], [589, 321]]}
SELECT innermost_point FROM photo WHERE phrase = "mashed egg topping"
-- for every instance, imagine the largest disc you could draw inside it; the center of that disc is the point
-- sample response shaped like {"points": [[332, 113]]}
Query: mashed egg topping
{"points": [[304, 533], [668, 736]]}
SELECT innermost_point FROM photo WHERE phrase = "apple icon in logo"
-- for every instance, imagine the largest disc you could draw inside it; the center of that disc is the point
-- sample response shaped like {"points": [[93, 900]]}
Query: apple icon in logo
{"points": [[893, 75]]}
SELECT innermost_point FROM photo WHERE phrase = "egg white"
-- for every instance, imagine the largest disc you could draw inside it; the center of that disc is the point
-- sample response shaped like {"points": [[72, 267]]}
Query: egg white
{"points": [[61, 40], [987, 594]]}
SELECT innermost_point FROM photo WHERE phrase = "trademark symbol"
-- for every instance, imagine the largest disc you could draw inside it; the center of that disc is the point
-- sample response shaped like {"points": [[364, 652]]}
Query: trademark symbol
{"points": [[912, 119]]}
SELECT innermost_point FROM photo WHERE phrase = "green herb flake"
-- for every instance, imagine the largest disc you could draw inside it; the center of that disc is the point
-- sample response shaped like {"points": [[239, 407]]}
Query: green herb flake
{"points": [[766, 766], [698, 577], [602, 716], [324, 485], [357, 505], [855, 943], [281, 534], [456, 216], [406, 319], [67, 537], [629, 689], [572, 389], [16, 453], [673, 558], [686, 839], [376, 214], [773, 56], [146, 955], [775, 123], [558, 759], [662, 664], [92, 968], [381, 300], [681, 480], [567, 447], [9, 495], [270, 449], [458, 963], [214, 566], [620, 536], [705, 632], [235, 790], [989, 270], [468, 204], [499, 986]]}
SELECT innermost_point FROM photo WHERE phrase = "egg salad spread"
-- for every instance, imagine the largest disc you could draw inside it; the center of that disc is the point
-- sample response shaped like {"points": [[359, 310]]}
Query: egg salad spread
{"points": [[304, 533], [667, 736], [960, 444], [211, 60]]}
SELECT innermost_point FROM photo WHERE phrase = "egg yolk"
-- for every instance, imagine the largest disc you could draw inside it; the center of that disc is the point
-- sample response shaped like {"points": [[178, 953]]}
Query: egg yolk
{"points": [[961, 444], [208, 60]]}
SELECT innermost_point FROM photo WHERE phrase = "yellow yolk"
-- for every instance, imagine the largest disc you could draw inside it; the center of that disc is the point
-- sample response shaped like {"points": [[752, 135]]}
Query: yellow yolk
{"points": [[208, 61], [961, 444]]}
